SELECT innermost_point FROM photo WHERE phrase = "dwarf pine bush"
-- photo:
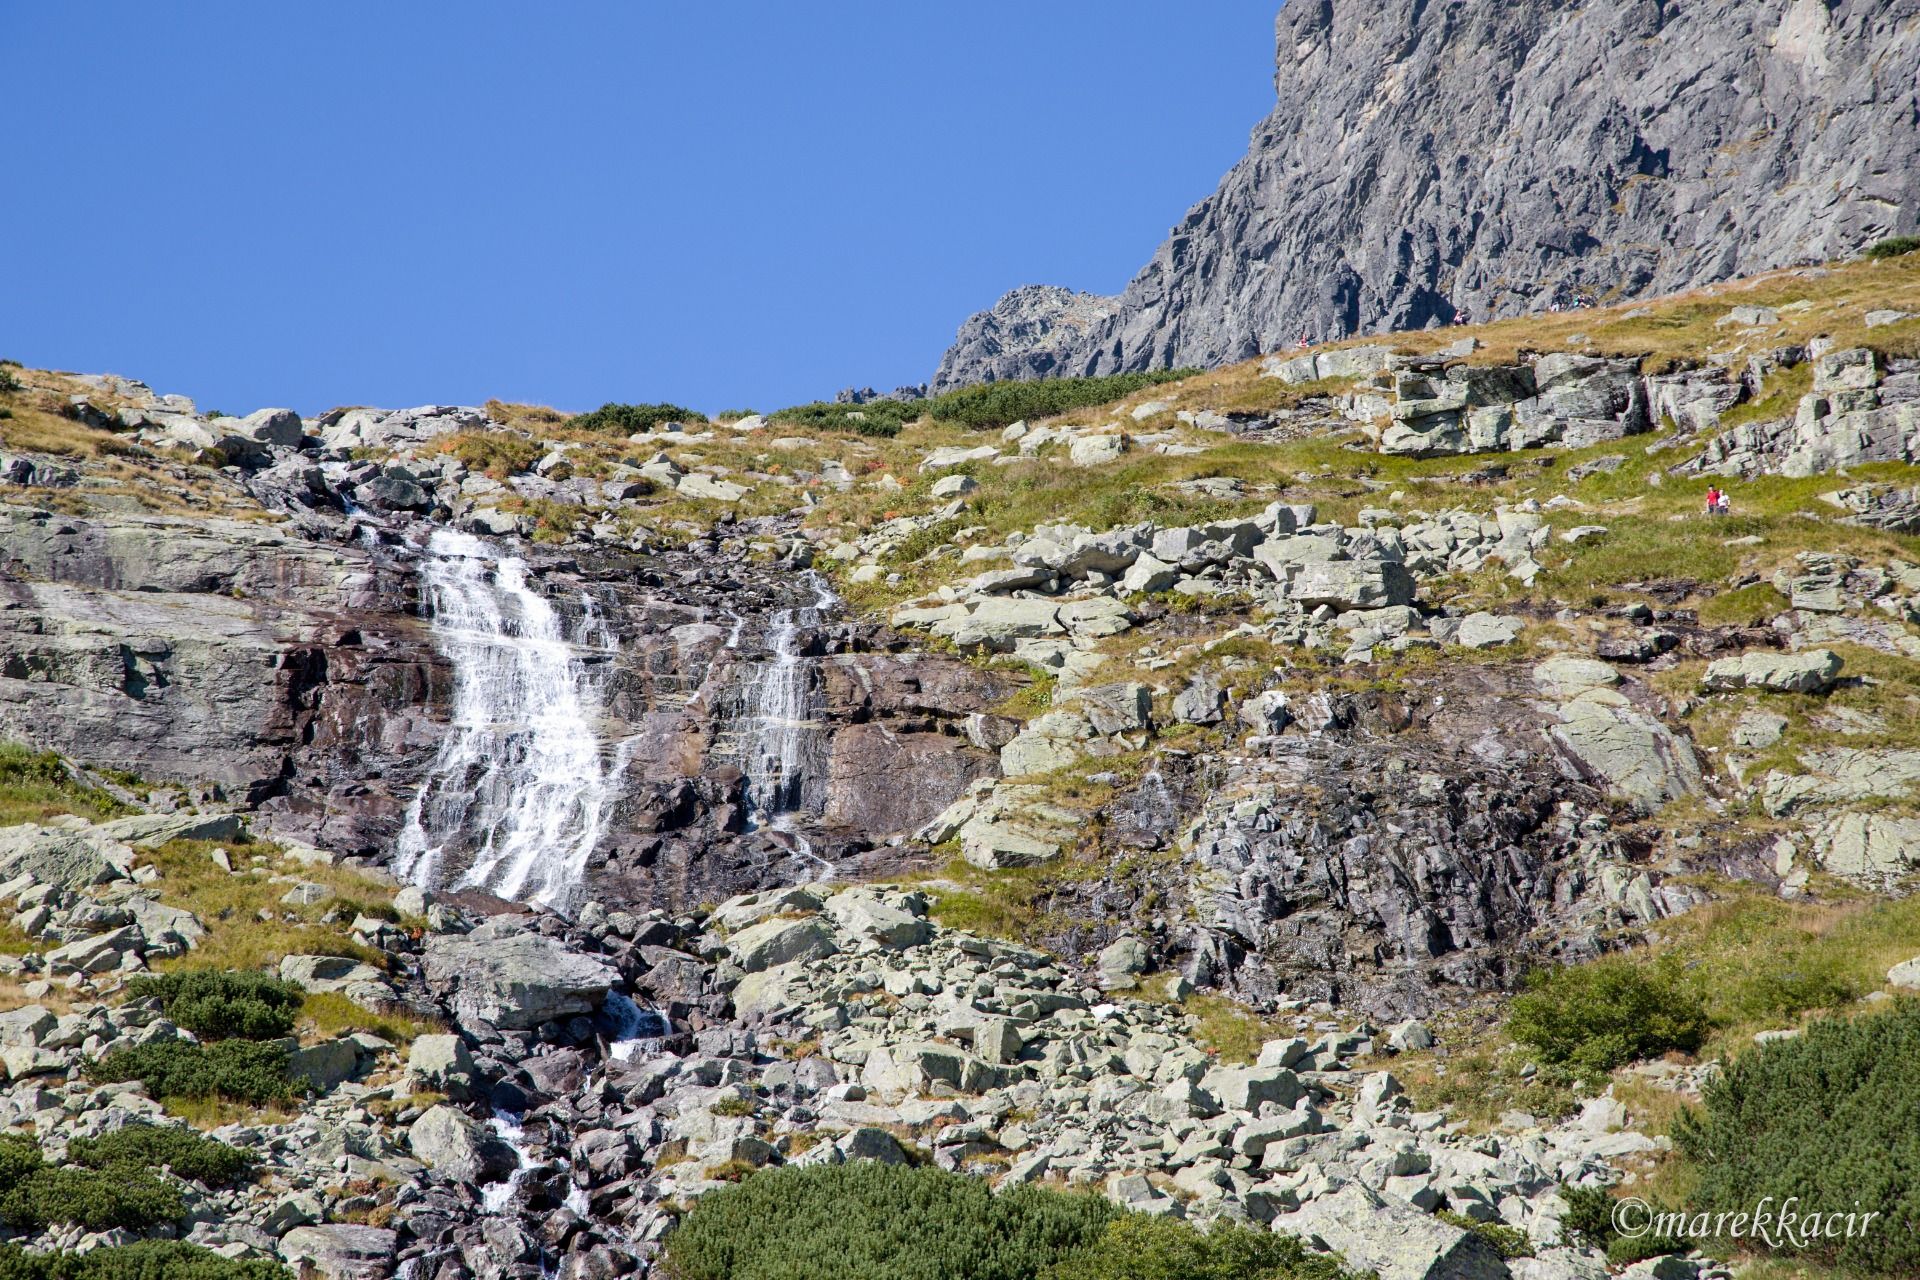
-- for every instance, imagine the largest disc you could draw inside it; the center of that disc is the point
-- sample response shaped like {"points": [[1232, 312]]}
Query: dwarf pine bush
{"points": [[110, 1182], [989, 405], [1831, 1119], [144, 1260], [1138, 1247], [1894, 247], [1598, 1016], [868, 1221], [184, 1152], [1000, 404], [223, 1004], [625, 419], [880, 419], [247, 1071], [35, 1194]]}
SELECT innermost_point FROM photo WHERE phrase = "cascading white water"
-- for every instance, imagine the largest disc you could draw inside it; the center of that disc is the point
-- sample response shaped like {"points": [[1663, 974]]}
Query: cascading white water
{"points": [[777, 706], [520, 780], [779, 715], [496, 1196], [635, 1030]]}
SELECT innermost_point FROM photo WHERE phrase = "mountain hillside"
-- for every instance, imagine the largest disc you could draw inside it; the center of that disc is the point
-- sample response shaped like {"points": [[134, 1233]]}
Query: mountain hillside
{"points": [[1427, 160], [1359, 802]]}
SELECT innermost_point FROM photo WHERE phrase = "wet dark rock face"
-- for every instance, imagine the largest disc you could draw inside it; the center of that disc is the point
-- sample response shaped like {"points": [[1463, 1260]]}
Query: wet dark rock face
{"points": [[1406, 852], [284, 672], [298, 676]]}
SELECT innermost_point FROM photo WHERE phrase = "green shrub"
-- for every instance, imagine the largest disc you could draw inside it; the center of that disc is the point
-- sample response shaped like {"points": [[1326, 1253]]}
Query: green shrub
{"points": [[868, 1221], [8, 383], [921, 541], [248, 1071], [881, 419], [625, 419], [111, 1181], [34, 1194], [1624, 1251], [1589, 1221], [1831, 1117], [146, 1146], [1598, 1016], [999, 404], [1137, 1247], [223, 1004], [1894, 247], [1589, 1216], [94, 1199], [19, 1160], [145, 1260], [988, 405]]}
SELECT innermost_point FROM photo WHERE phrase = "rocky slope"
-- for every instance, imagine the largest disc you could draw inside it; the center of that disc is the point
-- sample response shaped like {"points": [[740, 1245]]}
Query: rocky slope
{"points": [[555, 1131], [1158, 798], [295, 675], [1426, 162]]}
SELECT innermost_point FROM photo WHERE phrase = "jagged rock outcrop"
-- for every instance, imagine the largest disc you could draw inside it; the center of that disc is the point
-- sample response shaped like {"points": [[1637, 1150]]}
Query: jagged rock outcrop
{"points": [[1024, 335], [1426, 161]]}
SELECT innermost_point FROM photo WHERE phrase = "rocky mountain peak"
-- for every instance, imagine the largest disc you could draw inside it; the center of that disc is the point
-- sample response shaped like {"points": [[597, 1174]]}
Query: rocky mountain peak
{"points": [[1024, 335], [1480, 158]]}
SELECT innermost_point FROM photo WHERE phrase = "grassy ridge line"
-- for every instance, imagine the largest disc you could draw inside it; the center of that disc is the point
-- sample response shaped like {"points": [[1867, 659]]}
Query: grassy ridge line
{"points": [[988, 405]]}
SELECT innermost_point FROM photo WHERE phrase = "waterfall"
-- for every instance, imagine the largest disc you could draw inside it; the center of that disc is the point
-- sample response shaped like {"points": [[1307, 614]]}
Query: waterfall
{"points": [[520, 782], [634, 1030], [496, 1196], [779, 716], [777, 705]]}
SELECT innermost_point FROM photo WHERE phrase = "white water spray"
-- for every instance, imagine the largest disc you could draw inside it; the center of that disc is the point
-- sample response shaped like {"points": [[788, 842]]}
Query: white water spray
{"points": [[519, 780], [635, 1030], [496, 1196], [779, 710]]}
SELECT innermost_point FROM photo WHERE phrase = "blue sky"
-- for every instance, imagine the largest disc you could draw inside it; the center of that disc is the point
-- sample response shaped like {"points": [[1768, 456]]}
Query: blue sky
{"points": [[721, 204]]}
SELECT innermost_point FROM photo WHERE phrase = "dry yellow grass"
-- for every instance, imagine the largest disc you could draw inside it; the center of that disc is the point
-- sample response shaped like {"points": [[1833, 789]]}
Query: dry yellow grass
{"points": [[232, 906], [1685, 326], [329, 1015], [13, 996], [214, 1112], [525, 417], [114, 467]]}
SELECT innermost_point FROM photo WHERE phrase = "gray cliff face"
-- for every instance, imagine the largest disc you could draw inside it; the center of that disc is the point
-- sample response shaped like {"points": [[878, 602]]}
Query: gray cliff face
{"points": [[1491, 158], [219, 652]]}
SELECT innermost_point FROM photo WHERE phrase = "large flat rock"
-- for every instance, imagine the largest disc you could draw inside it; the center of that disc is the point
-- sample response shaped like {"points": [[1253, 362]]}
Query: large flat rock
{"points": [[516, 981]]}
